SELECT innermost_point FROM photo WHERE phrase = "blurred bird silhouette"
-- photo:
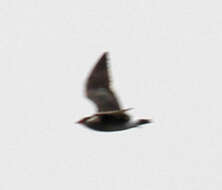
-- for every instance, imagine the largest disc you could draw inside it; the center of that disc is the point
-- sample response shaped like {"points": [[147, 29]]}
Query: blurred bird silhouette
{"points": [[110, 116]]}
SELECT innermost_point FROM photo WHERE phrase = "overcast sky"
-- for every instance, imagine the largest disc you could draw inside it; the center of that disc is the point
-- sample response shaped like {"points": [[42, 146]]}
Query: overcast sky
{"points": [[165, 61]]}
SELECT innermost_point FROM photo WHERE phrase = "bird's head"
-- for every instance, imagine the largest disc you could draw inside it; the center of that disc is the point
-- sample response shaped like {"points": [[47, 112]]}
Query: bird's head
{"points": [[84, 120], [89, 120]]}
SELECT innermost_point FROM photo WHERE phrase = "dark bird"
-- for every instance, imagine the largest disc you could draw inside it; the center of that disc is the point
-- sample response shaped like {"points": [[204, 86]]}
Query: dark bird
{"points": [[110, 116]]}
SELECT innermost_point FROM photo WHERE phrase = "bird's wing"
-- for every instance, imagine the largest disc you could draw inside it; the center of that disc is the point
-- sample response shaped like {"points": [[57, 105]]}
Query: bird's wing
{"points": [[117, 112], [98, 87], [118, 115]]}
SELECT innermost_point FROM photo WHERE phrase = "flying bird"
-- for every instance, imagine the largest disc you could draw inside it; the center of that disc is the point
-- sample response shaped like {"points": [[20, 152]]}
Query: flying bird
{"points": [[110, 115]]}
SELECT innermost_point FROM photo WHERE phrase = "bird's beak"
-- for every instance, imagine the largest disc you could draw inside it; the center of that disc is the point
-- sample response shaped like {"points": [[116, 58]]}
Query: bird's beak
{"points": [[79, 122], [82, 120]]}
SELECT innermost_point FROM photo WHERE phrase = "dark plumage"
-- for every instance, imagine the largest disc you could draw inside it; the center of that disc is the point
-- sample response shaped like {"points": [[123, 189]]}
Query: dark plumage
{"points": [[110, 116]]}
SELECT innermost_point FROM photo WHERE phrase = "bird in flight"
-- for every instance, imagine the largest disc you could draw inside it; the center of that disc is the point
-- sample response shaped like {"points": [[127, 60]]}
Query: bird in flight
{"points": [[110, 115]]}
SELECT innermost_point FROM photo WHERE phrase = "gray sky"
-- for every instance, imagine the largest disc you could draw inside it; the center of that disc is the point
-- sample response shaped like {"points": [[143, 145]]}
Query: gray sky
{"points": [[165, 62]]}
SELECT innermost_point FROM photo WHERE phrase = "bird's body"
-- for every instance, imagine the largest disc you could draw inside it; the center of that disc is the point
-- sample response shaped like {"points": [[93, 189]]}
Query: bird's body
{"points": [[107, 123], [110, 116]]}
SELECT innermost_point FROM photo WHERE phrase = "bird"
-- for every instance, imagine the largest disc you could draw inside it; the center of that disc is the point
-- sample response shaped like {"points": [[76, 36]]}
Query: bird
{"points": [[110, 116]]}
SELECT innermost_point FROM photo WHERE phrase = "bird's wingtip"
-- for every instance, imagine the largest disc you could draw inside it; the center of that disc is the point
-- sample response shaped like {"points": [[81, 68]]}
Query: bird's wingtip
{"points": [[105, 54]]}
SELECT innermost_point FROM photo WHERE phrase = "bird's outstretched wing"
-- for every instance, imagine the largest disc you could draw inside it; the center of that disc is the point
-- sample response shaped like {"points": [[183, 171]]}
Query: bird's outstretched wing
{"points": [[98, 87]]}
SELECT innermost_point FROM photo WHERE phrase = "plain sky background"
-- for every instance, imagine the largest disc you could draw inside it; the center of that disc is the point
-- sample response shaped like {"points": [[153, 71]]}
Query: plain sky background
{"points": [[165, 60]]}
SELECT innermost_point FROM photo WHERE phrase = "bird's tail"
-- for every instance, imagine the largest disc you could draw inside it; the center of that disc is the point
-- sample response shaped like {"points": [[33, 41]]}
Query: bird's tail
{"points": [[144, 121]]}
